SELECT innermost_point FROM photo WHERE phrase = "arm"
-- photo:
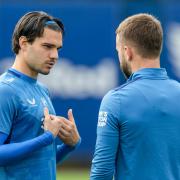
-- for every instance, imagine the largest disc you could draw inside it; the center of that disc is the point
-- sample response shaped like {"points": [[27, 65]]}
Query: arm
{"points": [[10, 153], [103, 164], [107, 142]]}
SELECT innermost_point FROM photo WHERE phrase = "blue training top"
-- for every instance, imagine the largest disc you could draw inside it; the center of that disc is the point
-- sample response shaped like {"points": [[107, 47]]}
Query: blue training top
{"points": [[26, 151], [138, 132]]}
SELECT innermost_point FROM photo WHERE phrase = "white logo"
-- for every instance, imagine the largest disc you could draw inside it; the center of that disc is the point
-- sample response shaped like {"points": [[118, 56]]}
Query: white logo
{"points": [[32, 102], [102, 119]]}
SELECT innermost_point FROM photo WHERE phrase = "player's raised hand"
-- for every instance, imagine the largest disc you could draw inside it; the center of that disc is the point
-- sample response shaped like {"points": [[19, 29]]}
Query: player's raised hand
{"points": [[50, 124], [68, 132]]}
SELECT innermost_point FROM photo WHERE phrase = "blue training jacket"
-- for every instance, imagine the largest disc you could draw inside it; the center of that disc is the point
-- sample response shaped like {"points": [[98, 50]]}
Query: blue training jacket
{"points": [[138, 131]]}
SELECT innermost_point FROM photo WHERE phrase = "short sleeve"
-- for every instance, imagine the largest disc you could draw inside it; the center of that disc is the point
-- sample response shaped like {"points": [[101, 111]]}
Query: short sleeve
{"points": [[8, 103]]}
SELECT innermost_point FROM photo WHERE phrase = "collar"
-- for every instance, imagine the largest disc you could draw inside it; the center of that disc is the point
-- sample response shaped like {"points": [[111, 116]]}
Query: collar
{"points": [[21, 75], [149, 73]]}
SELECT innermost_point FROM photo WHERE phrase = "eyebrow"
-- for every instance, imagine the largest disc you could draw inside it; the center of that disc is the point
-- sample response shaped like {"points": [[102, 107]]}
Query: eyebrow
{"points": [[51, 45]]}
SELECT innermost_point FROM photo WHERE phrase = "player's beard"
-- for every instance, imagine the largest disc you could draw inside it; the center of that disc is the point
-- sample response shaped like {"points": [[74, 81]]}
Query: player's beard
{"points": [[125, 67], [39, 69]]}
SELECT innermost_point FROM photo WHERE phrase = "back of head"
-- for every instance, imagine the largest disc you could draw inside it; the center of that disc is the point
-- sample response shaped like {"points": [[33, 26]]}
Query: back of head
{"points": [[144, 33], [32, 25]]}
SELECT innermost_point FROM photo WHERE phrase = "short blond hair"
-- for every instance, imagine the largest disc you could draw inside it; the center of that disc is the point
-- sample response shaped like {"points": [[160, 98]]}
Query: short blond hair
{"points": [[144, 32]]}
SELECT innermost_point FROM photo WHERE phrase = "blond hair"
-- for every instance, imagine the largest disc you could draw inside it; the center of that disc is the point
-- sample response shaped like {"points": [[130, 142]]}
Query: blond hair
{"points": [[144, 32]]}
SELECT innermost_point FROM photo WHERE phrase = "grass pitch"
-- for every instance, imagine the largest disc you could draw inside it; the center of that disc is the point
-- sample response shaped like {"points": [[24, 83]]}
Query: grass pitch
{"points": [[73, 174]]}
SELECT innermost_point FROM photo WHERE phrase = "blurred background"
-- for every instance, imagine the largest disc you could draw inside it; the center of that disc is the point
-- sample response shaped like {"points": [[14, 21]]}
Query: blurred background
{"points": [[88, 65]]}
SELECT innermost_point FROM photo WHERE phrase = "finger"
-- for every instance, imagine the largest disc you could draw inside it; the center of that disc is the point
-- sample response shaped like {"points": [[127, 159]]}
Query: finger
{"points": [[62, 137], [52, 116], [46, 112], [70, 115], [64, 121], [67, 127], [64, 133]]}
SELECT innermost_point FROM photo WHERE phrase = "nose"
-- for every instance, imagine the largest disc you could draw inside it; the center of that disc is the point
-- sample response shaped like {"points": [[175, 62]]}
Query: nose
{"points": [[54, 54]]}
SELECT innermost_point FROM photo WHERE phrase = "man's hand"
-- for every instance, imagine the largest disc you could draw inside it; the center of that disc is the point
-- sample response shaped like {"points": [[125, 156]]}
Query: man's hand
{"points": [[50, 124], [68, 132]]}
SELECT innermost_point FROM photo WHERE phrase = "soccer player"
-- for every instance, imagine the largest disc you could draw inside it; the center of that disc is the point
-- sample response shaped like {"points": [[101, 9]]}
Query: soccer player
{"points": [[138, 131], [28, 151]]}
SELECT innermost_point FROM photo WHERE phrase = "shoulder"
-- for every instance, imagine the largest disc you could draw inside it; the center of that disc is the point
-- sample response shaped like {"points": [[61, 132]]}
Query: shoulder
{"points": [[111, 97], [8, 90], [9, 98], [6, 78], [175, 83], [9, 81], [115, 95], [111, 103]]}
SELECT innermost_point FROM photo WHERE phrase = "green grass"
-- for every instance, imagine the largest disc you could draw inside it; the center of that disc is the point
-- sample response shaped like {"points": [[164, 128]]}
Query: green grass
{"points": [[73, 174]]}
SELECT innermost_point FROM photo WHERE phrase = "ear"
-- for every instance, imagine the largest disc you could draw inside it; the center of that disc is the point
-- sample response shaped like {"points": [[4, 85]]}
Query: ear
{"points": [[23, 43], [128, 52]]}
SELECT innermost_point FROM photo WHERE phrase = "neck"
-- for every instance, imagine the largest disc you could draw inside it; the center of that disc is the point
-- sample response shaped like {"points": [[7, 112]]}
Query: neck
{"points": [[145, 63], [21, 66]]}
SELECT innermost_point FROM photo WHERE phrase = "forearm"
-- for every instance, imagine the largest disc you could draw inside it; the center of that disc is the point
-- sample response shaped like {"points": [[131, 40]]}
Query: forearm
{"points": [[64, 150], [17, 151]]}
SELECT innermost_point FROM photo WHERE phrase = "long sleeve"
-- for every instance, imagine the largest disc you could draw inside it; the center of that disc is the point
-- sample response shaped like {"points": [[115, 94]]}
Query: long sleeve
{"points": [[10, 153], [107, 142]]}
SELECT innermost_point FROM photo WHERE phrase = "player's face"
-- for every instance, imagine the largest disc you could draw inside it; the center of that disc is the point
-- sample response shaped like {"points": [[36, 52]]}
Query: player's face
{"points": [[124, 63], [42, 54]]}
